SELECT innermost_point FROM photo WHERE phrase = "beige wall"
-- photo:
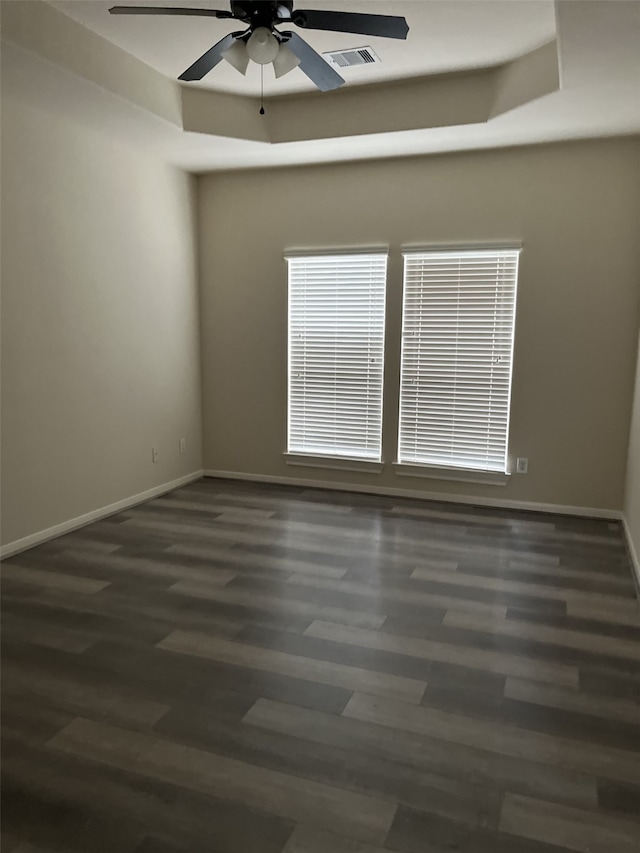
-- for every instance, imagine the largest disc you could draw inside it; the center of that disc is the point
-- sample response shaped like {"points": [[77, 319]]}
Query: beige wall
{"points": [[574, 207], [100, 348], [632, 492]]}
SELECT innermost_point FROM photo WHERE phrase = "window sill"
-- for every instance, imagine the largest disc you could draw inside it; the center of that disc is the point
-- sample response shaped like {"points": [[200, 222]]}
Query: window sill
{"points": [[339, 463], [464, 475]]}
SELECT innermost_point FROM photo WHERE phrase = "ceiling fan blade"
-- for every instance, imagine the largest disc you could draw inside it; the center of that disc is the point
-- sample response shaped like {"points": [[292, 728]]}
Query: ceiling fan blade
{"points": [[168, 10], [313, 65], [209, 59], [386, 26]]}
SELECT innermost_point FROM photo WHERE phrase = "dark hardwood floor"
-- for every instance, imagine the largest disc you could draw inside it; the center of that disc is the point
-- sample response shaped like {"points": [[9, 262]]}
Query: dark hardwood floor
{"points": [[236, 668]]}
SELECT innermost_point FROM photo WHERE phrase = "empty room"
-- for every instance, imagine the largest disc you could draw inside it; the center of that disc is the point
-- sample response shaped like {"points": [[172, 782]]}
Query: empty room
{"points": [[320, 409]]}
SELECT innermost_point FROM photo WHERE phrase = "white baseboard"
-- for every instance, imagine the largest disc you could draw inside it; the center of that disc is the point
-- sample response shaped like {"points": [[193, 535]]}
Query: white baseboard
{"points": [[81, 520], [633, 554], [390, 491]]}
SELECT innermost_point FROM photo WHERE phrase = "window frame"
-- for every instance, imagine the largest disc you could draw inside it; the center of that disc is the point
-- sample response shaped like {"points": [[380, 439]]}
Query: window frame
{"points": [[344, 461], [434, 470]]}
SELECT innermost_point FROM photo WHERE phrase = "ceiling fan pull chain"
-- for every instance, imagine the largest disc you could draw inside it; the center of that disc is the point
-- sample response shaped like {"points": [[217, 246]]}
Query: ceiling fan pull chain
{"points": [[262, 90]]}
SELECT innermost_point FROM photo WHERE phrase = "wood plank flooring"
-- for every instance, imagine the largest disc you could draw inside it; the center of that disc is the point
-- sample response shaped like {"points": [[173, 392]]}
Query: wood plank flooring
{"points": [[240, 668]]}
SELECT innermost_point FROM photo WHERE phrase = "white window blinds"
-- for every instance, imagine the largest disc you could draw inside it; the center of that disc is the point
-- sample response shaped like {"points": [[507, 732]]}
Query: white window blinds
{"points": [[457, 345], [336, 352]]}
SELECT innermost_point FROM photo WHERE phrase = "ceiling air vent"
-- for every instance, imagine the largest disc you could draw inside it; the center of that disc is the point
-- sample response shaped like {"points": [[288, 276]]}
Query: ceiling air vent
{"points": [[351, 57]]}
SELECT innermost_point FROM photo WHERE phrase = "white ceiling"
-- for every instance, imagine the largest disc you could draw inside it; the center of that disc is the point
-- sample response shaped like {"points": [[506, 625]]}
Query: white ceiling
{"points": [[598, 45], [443, 36]]}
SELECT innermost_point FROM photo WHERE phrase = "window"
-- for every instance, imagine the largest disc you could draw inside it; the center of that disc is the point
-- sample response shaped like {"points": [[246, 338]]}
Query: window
{"points": [[336, 352], [457, 345]]}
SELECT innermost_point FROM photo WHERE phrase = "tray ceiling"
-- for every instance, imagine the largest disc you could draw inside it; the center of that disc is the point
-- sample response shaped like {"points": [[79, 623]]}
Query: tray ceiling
{"points": [[472, 74]]}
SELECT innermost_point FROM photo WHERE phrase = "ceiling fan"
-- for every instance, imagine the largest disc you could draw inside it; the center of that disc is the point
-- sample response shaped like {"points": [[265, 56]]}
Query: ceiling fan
{"points": [[263, 43]]}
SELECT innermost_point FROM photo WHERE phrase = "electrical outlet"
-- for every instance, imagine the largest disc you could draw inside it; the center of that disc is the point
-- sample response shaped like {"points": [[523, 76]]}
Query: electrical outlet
{"points": [[522, 465], [154, 454], [182, 445]]}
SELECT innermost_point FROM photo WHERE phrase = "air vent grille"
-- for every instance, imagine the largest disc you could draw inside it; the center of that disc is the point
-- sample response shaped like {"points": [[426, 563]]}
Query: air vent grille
{"points": [[351, 57]]}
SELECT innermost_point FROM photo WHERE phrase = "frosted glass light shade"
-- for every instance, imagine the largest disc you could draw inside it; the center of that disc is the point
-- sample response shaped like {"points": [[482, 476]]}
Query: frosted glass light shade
{"points": [[263, 46], [285, 61], [237, 56]]}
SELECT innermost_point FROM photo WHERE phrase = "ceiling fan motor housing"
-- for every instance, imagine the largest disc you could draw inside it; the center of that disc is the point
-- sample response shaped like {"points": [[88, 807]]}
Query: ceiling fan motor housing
{"points": [[262, 14]]}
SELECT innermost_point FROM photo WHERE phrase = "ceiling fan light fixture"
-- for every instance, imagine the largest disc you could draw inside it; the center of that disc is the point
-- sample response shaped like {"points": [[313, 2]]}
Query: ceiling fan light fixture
{"points": [[237, 56], [262, 46], [285, 61]]}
